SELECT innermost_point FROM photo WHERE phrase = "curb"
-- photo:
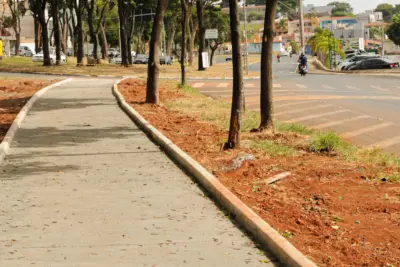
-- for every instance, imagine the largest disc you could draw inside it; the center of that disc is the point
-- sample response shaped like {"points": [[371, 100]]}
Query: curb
{"points": [[261, 230], [6, 143]]}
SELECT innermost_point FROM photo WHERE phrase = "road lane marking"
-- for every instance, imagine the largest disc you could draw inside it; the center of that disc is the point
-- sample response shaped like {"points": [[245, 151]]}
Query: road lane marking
{"points": [[377, 87], [327, 87], [301, 86], [334, 123], [366, 129], [291, 104], [222, 85], [249, 85], [277, 86], [386, 143], [316, 116], [352, 87], [301, 110], [198, 85]]}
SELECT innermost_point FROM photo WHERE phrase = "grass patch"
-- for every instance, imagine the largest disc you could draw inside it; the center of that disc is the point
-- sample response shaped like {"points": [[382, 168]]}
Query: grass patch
{"points": [[376, 156], [391, 177], [272, 148], [293, 128], [188, 90], [326, 142]]}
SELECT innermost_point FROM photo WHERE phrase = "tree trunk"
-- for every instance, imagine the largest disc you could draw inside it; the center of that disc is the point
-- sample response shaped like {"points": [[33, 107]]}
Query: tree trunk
{"points": [[234, 128], [79, 32], [266, 103], [56, 28], [64, 31], [191, 34], [153, 71], [45, 38], [93, 34], [202, 32], [213, 49], [37, 34], [171, 35], [183, 44], [104, 40], [122, 33], [17, 42]]}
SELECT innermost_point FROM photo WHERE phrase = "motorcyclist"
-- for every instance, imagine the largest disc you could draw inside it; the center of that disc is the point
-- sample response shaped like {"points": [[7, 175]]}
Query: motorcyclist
{"points": [[302, 60]]}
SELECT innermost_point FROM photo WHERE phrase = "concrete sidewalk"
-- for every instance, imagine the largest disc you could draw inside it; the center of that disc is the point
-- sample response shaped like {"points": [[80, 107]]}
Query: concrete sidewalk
{"points": [[83, 186]]}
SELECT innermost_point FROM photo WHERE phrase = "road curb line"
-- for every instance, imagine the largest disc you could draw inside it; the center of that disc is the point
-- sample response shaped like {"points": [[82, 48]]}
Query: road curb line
{"points": [[260, 229], [6, 143]]}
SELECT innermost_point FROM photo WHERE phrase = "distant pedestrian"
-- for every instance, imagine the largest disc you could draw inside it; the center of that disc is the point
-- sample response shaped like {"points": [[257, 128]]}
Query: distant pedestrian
{"points": [[279, 57]]}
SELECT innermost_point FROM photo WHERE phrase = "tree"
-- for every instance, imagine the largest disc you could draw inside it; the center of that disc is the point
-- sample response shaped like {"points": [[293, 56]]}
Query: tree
{"points": [[184, 23], [38, 7], [79, 7], [266, 66], [387, 11], [237, 104], [216, 19], [171, 15], [341, 9], [153, 69], [322, 42], [393, 31], [56, 26], [17, 10]]}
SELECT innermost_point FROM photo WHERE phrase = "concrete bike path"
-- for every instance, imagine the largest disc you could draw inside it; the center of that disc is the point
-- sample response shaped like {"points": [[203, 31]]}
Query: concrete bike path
{"points": [[83, 186]]}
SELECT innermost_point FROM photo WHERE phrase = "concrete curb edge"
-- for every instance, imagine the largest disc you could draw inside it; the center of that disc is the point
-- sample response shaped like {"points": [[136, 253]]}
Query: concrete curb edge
{"points": [[285, 252], [6, 143]]}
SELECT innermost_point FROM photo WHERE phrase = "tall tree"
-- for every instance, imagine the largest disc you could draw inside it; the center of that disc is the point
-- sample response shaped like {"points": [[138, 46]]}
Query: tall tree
{"points": [[38, 7], [215, 18], [388, 10], [236, 109], [200, 4], [79, 7], [17, 9], [184, 23], [393, 31], [122, 33], [153, 69], [171, 18], [341, 9], [56, 27], [266, 110]]}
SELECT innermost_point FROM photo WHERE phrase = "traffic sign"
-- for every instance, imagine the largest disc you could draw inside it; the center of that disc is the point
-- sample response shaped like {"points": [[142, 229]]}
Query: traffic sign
{"points": [[212, 34]]}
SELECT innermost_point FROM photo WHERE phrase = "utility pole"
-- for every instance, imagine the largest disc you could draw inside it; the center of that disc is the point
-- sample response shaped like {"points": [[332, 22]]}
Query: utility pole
{"points": [[301, 13], [245, 37]]}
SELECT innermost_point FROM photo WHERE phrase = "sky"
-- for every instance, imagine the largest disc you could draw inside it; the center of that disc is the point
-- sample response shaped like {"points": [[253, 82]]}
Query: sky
{"points": [[358, 5]]}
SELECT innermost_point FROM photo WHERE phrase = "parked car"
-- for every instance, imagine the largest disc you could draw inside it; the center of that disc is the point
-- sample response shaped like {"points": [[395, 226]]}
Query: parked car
{"points": [[113, 52], [351, 61], [374, 63], [141, 59], [165, 60], [40, 57], [116, 60], [284, 53], [25, 51]]}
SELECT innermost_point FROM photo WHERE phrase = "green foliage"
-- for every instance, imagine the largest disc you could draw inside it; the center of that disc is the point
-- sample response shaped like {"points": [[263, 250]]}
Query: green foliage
{"points": [[393, 31], [326, 142], [272, 148], [293, 128], [295, 46], [387, 10], [322, 43], [341, 9]]}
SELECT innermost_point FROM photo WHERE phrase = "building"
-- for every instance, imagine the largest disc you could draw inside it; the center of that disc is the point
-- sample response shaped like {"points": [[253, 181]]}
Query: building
{"points": [[354, 31], [330, 23], [319, 11], [309, 28], [370, 16]]}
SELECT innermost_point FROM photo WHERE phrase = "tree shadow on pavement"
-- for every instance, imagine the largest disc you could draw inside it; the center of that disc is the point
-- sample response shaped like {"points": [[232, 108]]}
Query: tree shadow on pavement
{"points": [[49, 104], [9, 171]]}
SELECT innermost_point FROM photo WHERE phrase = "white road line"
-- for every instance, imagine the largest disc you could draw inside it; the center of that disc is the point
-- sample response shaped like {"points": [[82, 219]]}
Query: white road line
{"points": [[249, 85], [223, 85], [352, 87], [334, 123], [396, 86], [292, 104], [198, 85], [277, 86], [301, 110], [327, 87], [301, 86], [366, 129], [386, 143], [316, 116], [377, 87]]}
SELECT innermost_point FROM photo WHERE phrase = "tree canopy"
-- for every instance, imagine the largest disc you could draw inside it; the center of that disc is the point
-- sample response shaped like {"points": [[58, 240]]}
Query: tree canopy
{"points": [[387, 10], [393, 31], [341, 9]]}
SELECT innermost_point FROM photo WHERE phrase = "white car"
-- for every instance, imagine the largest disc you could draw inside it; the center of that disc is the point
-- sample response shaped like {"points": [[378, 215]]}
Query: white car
{"points": [[39, 57], [284, 53], [25, 51], [116, 60]]}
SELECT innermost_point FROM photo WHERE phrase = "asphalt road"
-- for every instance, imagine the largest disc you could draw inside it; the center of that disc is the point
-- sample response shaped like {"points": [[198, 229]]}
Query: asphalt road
{"points": [[363, 109]]}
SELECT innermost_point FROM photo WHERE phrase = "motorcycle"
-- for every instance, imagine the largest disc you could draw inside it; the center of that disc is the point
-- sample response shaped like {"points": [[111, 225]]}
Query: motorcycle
{"points": [[303, 70]]}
